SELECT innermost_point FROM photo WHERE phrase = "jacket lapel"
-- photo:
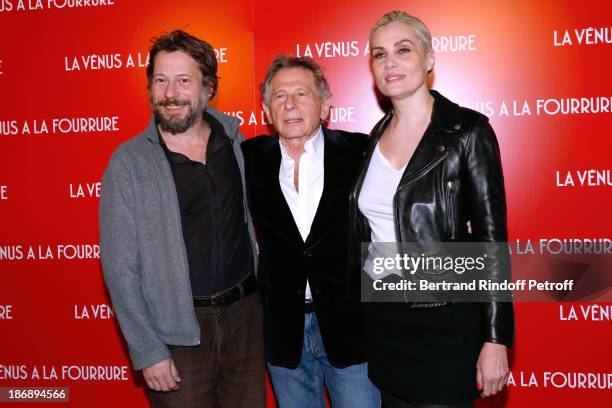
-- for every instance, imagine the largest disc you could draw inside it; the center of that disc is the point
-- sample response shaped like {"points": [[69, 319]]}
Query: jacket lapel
{"points": [[279, 207], [333, 160], [432, 148], [428, 153]]}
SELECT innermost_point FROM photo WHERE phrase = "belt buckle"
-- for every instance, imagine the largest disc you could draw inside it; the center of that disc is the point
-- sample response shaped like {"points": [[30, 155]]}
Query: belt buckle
{"points": [[213, 299]]}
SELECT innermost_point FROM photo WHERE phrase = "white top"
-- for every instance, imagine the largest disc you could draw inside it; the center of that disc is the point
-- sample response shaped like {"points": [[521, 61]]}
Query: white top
{"points": [[376, 204], [376, 197], [304, 203]]}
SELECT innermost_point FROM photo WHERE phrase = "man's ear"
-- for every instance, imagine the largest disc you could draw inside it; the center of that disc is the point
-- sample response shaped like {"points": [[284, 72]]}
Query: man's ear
{"points": [[325, 108], [267, 112], [208, 90]]}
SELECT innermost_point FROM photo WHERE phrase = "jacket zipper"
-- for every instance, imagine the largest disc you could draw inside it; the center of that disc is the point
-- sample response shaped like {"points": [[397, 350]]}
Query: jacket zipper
{"points": [[450, 209], [423, 170], [420, 173]]}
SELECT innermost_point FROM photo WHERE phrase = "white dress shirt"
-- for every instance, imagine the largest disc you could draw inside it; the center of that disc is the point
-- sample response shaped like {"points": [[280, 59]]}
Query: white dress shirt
{"points": [[303, 203]]}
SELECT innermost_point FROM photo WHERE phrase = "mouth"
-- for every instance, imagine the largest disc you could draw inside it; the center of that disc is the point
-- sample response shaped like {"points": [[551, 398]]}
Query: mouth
{"points": [[172, 104], [292, 121], [394, 77], [173, 107]]}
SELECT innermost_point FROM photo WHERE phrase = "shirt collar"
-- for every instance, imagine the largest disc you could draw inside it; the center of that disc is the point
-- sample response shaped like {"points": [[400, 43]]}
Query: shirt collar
{"points": [[312, 146], [217, 139]]}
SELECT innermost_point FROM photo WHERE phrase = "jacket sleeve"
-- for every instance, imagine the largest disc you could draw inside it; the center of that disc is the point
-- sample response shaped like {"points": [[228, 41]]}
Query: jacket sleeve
{"points": [[487, 206], [119, 253]]}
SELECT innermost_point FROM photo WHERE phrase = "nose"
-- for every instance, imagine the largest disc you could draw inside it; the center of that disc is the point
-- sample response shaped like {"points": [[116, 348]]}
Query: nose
{"points": [[170, 90], [390, 62], [289, 102]]}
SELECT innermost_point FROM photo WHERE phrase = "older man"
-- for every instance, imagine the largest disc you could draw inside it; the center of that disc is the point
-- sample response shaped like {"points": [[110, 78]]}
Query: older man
{"points": [[298, 183], [176, 244]]}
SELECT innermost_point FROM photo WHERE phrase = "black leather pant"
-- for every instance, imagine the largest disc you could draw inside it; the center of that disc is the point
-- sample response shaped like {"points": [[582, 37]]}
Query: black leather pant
{"points": [[391, 401]]}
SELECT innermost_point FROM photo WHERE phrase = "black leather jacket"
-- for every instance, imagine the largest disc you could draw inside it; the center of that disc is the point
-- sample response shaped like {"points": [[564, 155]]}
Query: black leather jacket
{"points": [[453, 177]]}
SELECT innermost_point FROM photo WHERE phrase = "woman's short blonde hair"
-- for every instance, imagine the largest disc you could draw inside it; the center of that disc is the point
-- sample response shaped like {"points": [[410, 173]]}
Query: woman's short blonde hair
{"points": [[419, 27]]}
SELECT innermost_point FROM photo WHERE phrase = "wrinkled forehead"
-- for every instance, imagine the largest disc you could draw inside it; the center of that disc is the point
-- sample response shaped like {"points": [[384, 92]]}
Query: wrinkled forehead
{"points": [[293, 77]]}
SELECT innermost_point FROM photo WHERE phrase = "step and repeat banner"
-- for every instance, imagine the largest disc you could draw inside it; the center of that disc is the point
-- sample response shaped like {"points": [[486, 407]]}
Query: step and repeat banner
{"points": [[73, 86]]}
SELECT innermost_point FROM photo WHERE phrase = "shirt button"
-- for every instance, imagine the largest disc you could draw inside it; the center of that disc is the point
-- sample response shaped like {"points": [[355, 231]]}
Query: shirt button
{"points": [[441, 148]]}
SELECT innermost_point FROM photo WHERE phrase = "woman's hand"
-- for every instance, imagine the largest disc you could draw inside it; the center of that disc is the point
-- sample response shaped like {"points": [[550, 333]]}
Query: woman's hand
{"points": [[492, 369]]}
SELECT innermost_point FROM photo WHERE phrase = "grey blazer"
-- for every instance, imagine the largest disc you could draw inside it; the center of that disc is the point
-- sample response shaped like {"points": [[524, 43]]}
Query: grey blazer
{"points": [[142, 249]]}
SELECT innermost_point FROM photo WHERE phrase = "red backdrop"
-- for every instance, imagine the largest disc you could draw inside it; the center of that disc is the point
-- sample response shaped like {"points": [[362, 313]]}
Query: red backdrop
{"points": [[518, 62]]}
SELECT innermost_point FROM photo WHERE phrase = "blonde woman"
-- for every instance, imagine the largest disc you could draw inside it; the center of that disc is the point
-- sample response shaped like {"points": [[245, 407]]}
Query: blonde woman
{"points": [[431, 168]]}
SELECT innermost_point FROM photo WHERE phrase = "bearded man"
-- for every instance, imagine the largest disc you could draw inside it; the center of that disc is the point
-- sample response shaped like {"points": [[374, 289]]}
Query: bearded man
{"points": [[177, 244]]}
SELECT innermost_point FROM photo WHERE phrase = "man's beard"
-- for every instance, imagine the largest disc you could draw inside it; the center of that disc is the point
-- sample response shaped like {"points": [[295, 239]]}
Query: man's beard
{"points": [[175, 125]]}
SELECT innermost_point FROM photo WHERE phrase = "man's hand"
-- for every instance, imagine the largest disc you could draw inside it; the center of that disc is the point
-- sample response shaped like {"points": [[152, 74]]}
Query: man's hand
{"points": [[163, 376], [492, 369]]}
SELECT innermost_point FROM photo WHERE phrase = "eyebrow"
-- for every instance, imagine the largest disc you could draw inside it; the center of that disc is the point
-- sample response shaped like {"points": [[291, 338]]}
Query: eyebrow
{"points": [[395, 45], [403, 41], [178, 75]]}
